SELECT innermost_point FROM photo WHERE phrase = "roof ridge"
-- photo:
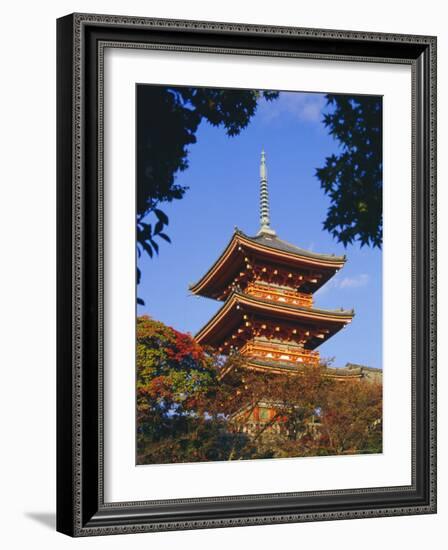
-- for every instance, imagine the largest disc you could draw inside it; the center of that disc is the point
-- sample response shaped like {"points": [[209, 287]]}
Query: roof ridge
{"points": [[294, 248]]}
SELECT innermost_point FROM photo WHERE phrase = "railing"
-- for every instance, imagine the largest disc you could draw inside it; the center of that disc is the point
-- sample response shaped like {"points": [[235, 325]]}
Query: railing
{"points": [[280, 295], [281, 353]]}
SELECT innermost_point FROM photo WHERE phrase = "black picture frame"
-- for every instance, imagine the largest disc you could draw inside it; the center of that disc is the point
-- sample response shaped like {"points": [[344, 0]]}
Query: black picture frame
{"points": [[81, 510]]}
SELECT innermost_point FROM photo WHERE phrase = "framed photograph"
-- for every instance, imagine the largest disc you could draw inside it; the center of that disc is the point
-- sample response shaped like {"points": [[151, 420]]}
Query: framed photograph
{"points": [[246, 274]]}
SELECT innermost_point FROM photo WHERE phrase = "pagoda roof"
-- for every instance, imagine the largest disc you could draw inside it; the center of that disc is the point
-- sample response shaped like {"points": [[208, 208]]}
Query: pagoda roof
{"points": [[229, 316], [272, 241], [266, 247], [278, 367]]}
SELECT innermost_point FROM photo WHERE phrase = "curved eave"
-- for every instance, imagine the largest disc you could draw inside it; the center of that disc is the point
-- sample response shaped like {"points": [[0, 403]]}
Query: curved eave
{"points": [[322, 260], [287, 368], [222, 271], [335, 373], [207, 282], [228, 317]]}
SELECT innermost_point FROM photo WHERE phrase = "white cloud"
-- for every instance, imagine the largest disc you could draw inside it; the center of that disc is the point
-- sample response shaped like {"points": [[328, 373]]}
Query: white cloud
{"points": [[354, 282], [305, 107], [357, 281]]}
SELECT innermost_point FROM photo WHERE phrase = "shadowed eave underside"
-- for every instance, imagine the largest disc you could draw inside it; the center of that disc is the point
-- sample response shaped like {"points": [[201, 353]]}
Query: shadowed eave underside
{"points": [[230, 315], [267, 248]]}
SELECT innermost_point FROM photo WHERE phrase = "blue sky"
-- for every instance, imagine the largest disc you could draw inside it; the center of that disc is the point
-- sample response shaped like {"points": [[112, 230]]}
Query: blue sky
{"points": [[223, 192]]}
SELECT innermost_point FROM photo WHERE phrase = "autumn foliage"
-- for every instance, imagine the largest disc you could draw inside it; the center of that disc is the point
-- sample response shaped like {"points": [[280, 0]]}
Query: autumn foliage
{"points": [[187, 411]]}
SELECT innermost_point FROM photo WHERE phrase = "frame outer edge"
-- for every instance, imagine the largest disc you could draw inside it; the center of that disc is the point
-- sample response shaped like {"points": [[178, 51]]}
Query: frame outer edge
{"points": [[70, 238], [65, 371], [246, 28]]}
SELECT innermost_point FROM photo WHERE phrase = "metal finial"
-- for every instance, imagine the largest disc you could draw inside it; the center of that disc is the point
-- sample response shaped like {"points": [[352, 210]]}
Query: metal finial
{"points": [[265, 221]]}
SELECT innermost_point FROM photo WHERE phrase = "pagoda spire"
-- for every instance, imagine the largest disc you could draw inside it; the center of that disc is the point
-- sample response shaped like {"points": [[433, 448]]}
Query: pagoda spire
{"points": [[265, 222]]}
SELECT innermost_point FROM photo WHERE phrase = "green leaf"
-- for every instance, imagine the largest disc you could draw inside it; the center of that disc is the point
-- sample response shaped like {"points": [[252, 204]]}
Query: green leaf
{"points": [[158, 228], [147, 248], [165, 237], [161, 216], [154, 245]]}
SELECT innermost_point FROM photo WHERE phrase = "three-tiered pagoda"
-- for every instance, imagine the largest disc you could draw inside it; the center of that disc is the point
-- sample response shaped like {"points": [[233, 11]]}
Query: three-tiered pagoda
{"points": [[267, 287]]}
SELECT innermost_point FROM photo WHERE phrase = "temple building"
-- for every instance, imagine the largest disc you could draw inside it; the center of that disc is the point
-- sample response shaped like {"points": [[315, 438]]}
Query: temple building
{"points": [[268, 314]]}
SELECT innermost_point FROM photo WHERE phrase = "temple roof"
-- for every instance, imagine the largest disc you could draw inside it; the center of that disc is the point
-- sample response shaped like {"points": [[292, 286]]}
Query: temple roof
{"points": [[267, 248], [279, 367], [230, 316], [273, 241]]}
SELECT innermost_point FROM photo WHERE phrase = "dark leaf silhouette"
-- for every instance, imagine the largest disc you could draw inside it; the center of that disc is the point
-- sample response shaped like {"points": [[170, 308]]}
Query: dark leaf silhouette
{"points": [[163, 218], [168, 119], [158, 228], [353, 178], [165, 237]]}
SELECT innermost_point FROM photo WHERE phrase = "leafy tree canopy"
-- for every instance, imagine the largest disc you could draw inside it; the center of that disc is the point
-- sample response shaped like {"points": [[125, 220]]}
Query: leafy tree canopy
{"points": [[353, 177], [168, 119], [185, 406], [179, 415]]}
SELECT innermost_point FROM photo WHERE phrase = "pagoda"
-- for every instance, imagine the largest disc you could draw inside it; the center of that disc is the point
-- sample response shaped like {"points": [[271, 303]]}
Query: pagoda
{"points": [[266, 285]]}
